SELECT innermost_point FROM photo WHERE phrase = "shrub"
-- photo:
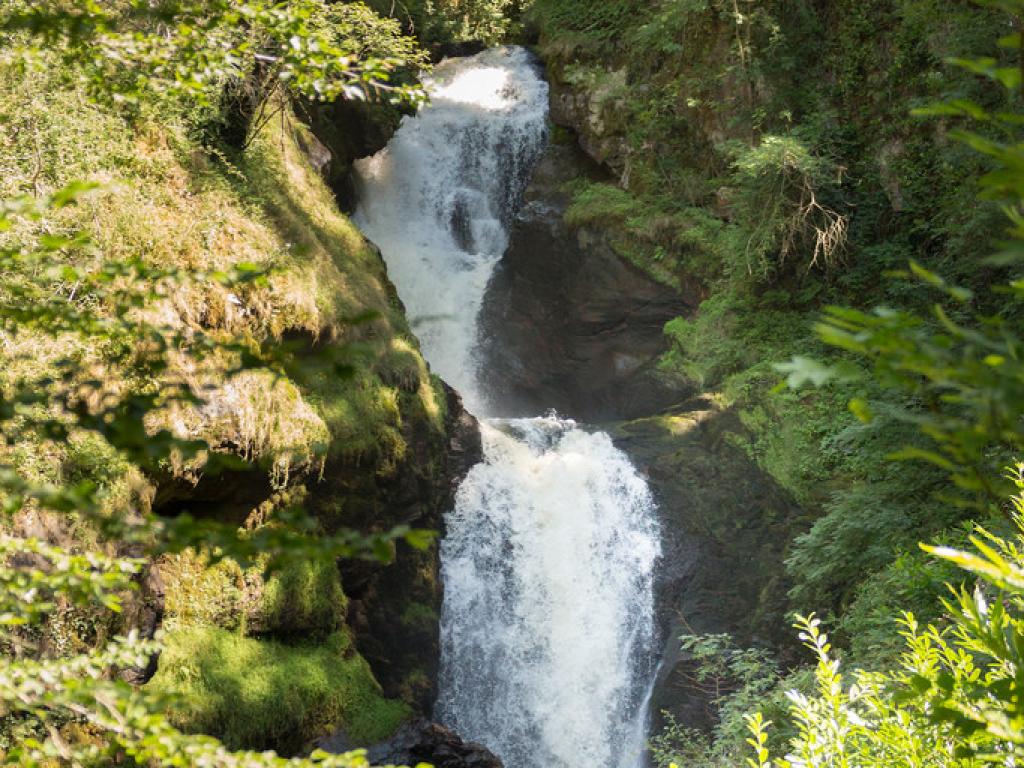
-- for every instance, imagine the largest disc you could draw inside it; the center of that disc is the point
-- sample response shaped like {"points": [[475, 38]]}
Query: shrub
{"points": [[779, 185]]}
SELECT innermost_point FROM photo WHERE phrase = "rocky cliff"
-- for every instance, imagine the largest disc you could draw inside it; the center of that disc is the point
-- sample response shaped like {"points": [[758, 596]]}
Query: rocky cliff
{"points": [[566, 322]]}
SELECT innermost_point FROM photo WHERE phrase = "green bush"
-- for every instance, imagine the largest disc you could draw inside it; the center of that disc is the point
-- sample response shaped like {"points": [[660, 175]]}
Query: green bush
{"points": [[779, 201], [436, 22]]}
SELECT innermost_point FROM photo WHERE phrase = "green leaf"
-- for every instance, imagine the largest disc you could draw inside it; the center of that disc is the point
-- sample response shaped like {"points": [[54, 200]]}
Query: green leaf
{"points": [[801, 371], [860, 408]]}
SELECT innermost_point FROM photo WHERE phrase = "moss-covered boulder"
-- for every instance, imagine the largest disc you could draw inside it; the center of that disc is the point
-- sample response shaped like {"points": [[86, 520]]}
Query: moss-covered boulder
{"points": [[303, 600], [264, 694]]}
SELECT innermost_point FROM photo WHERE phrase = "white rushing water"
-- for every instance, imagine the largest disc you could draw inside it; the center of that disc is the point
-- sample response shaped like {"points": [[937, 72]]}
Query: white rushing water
{"points": [[547, 626]]}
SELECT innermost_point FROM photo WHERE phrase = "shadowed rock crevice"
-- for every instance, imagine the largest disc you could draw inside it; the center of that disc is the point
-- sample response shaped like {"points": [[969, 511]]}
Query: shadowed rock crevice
{"points": [[421, 741]]}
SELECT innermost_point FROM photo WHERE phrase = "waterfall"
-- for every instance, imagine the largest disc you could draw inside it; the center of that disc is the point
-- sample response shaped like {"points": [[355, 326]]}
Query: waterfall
{"points": [[547, 627]]}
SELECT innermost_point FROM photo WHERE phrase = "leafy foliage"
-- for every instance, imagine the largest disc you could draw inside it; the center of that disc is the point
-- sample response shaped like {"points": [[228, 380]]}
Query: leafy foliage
{"points": [[964, 373], [938, 384], [128, 49], [953, 699], [779, 183], [445, 21], [108, 303], [733, 680]]}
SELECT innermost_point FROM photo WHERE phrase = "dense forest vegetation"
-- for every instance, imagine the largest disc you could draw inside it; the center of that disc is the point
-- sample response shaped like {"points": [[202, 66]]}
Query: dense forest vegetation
{"points": [[195, 342]]}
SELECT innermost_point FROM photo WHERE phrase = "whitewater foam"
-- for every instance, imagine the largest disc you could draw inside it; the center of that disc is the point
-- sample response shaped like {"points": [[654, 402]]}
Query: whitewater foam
{"points": [[547, 626]]}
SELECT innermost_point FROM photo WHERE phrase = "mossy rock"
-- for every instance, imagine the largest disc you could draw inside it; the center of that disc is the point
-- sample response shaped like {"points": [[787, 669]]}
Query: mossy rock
{"points": [[303, 600], [725, 527], [263, 694]]}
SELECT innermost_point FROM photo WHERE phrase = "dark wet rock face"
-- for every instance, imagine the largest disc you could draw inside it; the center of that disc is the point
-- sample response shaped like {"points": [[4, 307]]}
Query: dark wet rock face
{"points": [[144, 612], [346, 130], [316, 152], [421, 741], [393, 609], [724, 527], [566, 323]]}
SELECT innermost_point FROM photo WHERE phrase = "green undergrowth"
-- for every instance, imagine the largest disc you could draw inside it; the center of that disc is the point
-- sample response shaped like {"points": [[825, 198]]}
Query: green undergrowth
{"points": [[666, 239], [768, 164], [728, 117], [265, 694], [439, 22], [862, 509]]}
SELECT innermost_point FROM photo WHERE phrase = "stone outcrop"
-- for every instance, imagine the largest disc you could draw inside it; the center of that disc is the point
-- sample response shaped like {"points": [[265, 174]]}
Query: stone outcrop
{"points": [[591, 96], [596, 116], [566, 323], [724, 526], [394, 608], [348, 130], [421, 741]]}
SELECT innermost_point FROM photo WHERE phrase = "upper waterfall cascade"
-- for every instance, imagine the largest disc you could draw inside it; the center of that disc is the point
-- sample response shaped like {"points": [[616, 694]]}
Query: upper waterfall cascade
{"points": [[547, 625]]}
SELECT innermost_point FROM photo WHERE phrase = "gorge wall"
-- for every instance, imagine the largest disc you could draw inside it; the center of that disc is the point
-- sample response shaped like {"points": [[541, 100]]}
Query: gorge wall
{"points": [[396, 444], [701, 124]]}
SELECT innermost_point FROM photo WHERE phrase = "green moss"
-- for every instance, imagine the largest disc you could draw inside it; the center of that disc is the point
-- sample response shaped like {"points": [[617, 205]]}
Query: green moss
{"points": [[171, 199], [602, 204], [197, 594], [304, 599], [266, 695], [418, 615], [667, 237]]}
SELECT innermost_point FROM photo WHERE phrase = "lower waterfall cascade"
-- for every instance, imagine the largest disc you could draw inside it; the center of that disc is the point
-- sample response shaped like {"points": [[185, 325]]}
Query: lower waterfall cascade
{"points": [[547, 625]]}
